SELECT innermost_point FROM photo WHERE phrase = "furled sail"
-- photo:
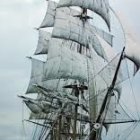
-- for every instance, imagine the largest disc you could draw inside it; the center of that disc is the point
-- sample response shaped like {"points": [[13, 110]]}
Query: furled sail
{"points": [[39, 106], [33, 107], [99, 7], [52, 117]]}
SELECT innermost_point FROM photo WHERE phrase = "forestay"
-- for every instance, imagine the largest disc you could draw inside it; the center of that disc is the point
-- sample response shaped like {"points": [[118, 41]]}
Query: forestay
{"points": [[102, 73], [100, 7]]}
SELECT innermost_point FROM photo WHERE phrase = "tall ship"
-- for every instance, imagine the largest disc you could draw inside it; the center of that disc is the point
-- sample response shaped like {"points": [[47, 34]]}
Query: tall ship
{"points": [[79, 85]]}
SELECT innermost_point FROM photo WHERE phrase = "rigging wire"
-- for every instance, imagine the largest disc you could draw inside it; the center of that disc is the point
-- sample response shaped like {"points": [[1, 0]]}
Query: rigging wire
{"points": [[23, 125], [106, 65], [115, 128], [44, 129], [131, 130], [35, 130], [125, 111], [119, 22], [126, 132], [133, 94]]}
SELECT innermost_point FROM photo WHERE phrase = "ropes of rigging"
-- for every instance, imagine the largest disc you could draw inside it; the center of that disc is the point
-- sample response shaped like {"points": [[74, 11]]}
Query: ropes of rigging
{"points": [[129, 131], [133, 95], [23, 125]]}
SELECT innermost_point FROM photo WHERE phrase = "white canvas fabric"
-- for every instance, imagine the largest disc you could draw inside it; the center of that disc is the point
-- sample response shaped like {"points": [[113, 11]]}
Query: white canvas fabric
{"points": [[43, 42], [72, 28], [133, 54], [63, 63], [36, 75], [48, 20], [100, 7]]}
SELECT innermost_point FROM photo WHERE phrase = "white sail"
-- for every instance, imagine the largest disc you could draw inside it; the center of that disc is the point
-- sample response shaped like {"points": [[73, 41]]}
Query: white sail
{"points": [[102, 73], [71, 27], [75, 31], [37, 78], [33, 107], [100, 7], [67, 12], [133, 54], [52, 116], [43, 42], [50, 15], [36, 74], [40, 106], [63, 63], [34, 116]]}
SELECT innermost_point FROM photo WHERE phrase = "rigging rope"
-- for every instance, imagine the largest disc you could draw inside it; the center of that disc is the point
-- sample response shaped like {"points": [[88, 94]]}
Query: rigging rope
{"points": [[130, 131], [133, 94], [23, 125]]}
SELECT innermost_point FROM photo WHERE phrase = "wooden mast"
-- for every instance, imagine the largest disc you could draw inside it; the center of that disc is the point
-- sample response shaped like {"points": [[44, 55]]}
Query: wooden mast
{"points": [[93, 135], [76, 89]]}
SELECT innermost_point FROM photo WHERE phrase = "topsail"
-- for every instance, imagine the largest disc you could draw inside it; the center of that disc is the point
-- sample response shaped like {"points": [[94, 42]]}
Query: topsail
{"points": [[99, 7]]}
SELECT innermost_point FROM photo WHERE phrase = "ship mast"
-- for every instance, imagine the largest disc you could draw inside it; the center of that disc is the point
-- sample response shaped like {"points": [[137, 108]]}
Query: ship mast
{"points": [[100, 118], [77, 93]]}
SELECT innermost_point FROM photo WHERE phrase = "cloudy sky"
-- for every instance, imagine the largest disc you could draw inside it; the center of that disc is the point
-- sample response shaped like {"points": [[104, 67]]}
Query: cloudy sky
{"points": [[18, 39]]}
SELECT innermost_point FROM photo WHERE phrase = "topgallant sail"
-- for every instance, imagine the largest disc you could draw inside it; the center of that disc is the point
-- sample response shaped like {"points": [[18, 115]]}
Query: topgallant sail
{"points": [[79, 86]]}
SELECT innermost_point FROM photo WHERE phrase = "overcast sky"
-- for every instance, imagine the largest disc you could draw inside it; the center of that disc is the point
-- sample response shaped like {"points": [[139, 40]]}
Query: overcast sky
{"points": [[18, 39]]}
